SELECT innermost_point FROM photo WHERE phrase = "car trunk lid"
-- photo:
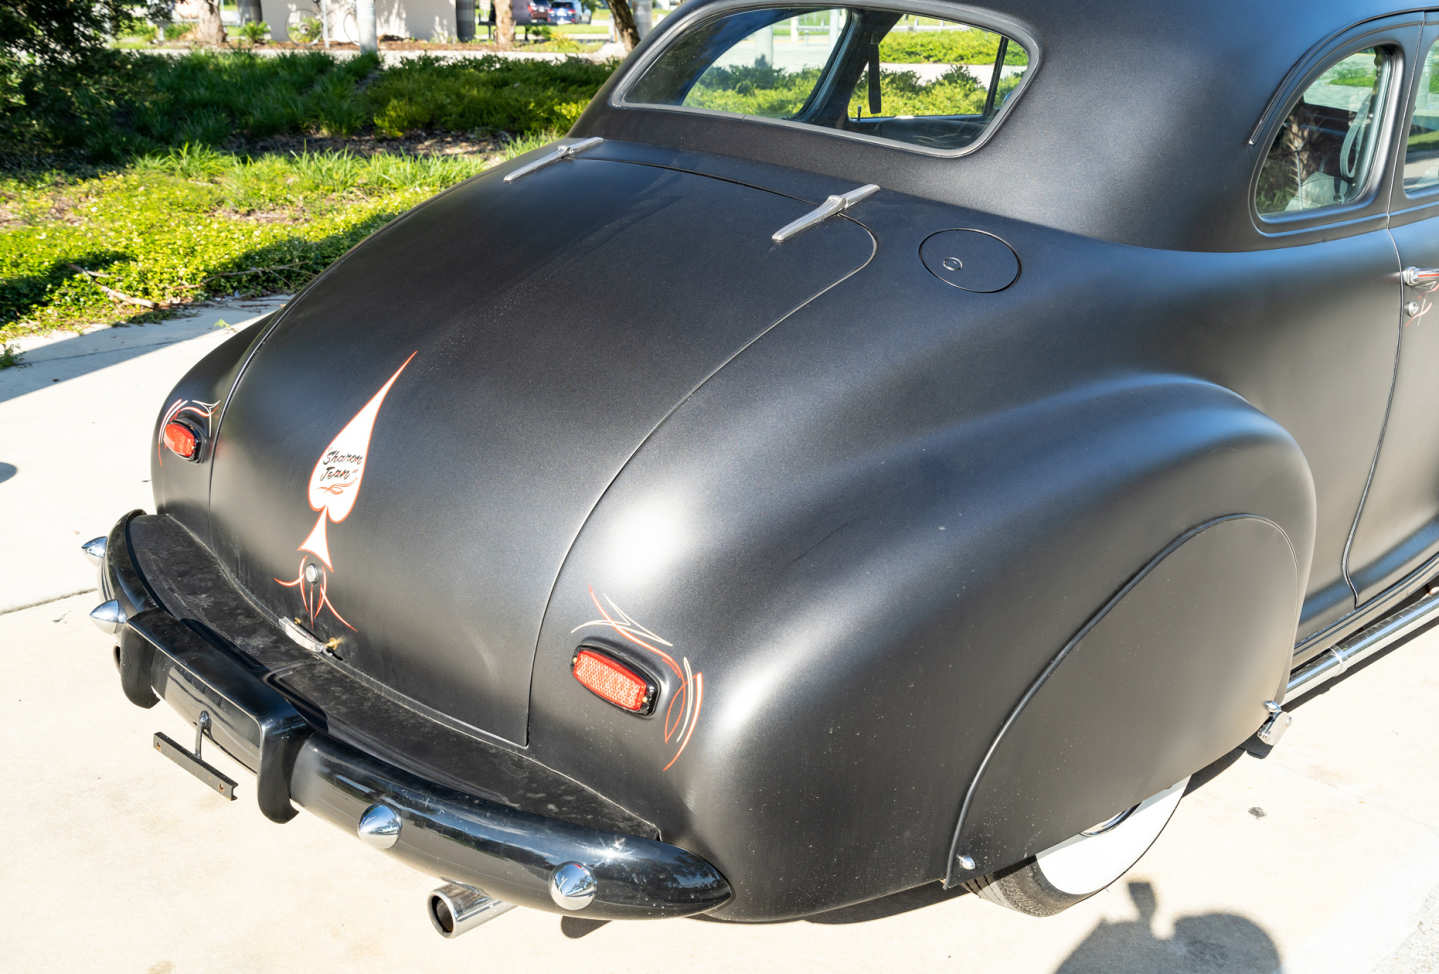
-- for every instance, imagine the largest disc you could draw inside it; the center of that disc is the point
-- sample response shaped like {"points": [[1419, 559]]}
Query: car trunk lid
{"points": [[407, 458]]}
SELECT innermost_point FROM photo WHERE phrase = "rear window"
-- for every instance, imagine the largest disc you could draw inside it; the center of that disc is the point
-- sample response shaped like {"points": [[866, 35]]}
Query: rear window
{"points": [[917, 80]]}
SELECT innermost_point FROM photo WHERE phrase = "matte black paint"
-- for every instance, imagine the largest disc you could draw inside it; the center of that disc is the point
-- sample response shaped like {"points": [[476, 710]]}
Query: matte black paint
{"points": [[475, 488], [872, 507], [1121, 706]]}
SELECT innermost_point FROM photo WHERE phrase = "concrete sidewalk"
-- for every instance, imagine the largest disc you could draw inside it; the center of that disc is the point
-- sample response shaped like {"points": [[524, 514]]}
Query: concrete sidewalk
{"points": [[75, 424], [1322, 857]]}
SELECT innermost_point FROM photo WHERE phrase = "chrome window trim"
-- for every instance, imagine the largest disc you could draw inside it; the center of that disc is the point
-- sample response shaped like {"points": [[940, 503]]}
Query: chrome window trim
{"points": [[958, 13]]}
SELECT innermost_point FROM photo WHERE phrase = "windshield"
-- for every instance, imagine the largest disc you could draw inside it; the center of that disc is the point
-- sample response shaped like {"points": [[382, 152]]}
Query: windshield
{"points": [[918, 80]]}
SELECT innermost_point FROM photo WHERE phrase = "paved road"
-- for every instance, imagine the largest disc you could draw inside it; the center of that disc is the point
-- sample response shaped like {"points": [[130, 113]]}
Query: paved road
{"points": [[1322, 857]]}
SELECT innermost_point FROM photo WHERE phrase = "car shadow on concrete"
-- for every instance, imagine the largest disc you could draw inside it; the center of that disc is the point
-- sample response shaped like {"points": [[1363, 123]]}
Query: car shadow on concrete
{"points": [[1202, 943]]}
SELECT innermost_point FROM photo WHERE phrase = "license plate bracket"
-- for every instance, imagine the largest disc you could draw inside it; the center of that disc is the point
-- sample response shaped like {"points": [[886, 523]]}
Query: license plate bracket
{"points": [[205, 772]]}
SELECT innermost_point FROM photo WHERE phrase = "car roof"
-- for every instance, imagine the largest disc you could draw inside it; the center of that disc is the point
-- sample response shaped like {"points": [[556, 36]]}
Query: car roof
{"points": [[1134, 128]]}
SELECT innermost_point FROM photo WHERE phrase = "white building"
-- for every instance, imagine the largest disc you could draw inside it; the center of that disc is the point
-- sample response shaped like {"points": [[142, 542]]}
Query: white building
{"points": [[421, 19]]}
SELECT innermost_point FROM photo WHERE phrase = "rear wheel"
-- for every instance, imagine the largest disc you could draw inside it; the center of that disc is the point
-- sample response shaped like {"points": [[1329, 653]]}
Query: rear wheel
{"points": [[1081, 866]]}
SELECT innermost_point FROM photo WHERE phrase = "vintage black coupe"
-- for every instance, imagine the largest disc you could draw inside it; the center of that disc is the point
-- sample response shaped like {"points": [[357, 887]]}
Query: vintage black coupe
{"points": [[881, 445]]}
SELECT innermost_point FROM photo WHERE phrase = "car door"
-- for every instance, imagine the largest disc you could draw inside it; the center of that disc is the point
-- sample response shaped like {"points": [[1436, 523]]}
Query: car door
{"points": [[1321, 197], [1397, 530]]}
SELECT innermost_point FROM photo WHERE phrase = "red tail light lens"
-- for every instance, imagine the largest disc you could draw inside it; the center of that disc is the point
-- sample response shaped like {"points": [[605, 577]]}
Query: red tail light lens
{"points": [[183, 441], [614, 681]]}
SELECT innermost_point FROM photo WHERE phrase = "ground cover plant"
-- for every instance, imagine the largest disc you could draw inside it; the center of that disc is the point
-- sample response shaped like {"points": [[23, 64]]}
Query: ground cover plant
{"points": [[152, 182], [193, 224]]}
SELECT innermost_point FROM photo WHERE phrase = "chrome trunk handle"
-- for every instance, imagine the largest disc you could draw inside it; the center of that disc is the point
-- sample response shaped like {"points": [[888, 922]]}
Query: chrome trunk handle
{"points": [[832, 206]]}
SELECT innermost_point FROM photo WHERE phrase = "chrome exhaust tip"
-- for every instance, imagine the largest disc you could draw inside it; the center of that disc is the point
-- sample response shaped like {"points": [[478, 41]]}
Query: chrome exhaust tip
{"points": [[108, 616], [95, 548], [455, 909]]}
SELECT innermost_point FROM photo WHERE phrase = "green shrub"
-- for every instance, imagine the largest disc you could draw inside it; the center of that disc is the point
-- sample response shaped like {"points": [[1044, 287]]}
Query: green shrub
{"points": [[120, 105], [971, 46], [254, 32], [489, 93], [771, 92], [136, 29]]}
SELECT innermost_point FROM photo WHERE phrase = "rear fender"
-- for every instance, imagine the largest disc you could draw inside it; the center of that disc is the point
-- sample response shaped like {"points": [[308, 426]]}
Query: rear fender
{"points": [[1170, 674], [869, 600]]}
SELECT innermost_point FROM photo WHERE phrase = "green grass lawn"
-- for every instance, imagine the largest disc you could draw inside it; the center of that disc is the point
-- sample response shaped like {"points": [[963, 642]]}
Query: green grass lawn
{"points": [[193, 224], [565, 30], [157, 182]]}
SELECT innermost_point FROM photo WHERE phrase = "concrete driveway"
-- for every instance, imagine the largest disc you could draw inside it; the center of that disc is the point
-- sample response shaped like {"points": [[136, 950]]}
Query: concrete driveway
{"points": [[1322, 857]]}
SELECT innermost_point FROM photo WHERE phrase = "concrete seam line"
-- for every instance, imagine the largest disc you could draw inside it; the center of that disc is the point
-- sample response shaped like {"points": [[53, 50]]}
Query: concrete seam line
{"points": [[6, 610]]}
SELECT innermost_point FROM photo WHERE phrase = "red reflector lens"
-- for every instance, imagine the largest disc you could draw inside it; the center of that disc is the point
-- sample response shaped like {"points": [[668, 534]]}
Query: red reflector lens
{"points": [[612, 680], [182, 440]]}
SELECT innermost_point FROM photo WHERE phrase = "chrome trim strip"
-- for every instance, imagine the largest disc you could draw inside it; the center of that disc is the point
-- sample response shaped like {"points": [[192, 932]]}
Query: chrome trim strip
{"points": [[1364, 644]]}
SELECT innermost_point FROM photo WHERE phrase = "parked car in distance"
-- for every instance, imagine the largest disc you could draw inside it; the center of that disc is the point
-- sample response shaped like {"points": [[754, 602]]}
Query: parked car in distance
{"points": [[856, 471], [528, 12], [569, 12]]}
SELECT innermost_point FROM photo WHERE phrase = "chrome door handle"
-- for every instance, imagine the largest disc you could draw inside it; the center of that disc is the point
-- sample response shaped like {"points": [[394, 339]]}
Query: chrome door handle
{"points": [[1413, 276]]}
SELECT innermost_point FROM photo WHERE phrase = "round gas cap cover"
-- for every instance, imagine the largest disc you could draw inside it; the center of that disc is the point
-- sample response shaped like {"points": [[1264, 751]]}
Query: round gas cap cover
{"points": [[970, 259]]}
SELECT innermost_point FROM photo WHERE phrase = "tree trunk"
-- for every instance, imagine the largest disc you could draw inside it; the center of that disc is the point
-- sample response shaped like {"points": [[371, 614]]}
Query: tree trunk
{"points": [[624, 19], [504, 23], [209, 30]]}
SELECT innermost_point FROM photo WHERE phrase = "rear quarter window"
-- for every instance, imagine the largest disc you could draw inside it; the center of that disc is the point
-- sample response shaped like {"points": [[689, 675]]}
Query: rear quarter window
{"points": [[1323, 154]]}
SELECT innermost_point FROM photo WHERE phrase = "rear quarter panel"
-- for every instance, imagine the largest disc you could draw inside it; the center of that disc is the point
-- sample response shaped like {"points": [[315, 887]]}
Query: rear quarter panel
{"points": [[872, 531]]}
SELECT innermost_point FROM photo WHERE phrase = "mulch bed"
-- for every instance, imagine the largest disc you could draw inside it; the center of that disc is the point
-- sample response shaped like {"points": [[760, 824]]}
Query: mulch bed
{"points": [[369, 145]]}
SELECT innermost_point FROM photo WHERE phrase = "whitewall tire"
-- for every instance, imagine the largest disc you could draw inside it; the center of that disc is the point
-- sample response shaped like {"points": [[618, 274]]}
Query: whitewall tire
{"points": [[1081, 866]]}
